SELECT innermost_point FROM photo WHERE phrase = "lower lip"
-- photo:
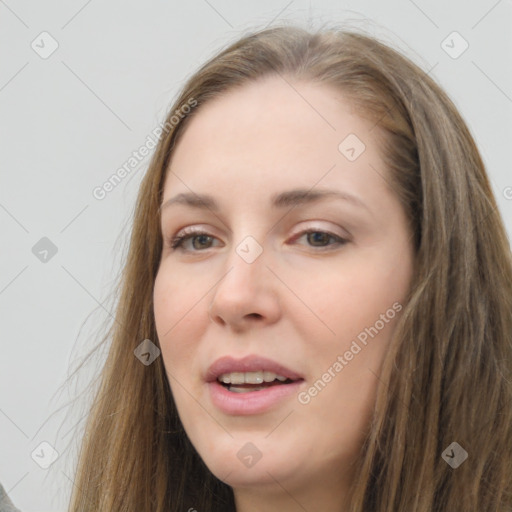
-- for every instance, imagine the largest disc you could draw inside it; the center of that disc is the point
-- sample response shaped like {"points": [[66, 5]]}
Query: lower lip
{"points": [[252, 402]]}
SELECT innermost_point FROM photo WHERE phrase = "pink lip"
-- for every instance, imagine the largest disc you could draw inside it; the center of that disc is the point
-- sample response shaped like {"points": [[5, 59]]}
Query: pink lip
{"points": [[253, 402]]}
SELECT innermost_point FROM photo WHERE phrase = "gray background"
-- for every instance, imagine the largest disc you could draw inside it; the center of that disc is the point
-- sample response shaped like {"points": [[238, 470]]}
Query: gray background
{"points": [[70, 120]]}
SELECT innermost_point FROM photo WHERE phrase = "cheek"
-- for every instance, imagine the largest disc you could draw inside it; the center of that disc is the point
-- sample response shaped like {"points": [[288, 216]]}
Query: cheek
{"points": [[177, 297], [342, 303], [370, 292], [178, 310], [361, 306]]}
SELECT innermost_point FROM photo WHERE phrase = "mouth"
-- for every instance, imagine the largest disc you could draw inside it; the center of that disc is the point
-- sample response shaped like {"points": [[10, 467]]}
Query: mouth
{"points": [[250, 385], [246, 382]]}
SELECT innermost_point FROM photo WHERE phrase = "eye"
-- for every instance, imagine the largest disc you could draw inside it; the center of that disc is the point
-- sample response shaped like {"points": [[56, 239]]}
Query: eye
{"points": [[202, 240], [319, 238]]}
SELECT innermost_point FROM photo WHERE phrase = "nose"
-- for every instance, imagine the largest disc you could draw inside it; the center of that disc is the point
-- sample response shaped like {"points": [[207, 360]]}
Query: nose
{"points": [[247, 294]]}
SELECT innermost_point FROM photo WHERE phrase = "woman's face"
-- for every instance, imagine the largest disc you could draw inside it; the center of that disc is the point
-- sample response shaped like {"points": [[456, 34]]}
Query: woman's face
{"points": [[250, 295]]}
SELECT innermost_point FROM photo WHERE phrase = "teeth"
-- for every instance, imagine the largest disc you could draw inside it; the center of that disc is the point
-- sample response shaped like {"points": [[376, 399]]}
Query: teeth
{"points": [[236, 378], [234, 389], [269, 376], [250, 377]]}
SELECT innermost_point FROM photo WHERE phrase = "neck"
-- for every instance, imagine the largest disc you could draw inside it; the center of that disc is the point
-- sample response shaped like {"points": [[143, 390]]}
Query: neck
{"points": [[327, 495]]}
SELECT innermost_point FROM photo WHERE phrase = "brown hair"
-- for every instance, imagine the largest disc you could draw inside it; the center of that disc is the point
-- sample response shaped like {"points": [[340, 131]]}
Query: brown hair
{"points": [[448, 375]]}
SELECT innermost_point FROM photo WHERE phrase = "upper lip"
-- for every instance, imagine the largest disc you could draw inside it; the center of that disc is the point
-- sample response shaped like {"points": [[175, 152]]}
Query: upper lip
{"points": [[251, 363]]}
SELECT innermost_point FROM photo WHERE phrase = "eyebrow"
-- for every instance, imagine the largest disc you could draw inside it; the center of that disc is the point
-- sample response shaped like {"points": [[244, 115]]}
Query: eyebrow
{"points": [[289, 198]]}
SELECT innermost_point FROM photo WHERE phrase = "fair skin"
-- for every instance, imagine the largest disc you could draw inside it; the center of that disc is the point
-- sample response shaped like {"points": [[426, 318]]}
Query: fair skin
{"points": [[302, 302]]}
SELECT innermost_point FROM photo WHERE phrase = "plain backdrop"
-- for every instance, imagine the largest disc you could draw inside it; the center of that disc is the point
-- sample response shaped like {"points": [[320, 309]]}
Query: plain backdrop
{"points": [[82, 85]]}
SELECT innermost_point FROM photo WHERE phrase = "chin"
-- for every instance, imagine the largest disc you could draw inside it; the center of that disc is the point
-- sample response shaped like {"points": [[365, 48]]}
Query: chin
{"points": [[261, 475], [240, 462]]}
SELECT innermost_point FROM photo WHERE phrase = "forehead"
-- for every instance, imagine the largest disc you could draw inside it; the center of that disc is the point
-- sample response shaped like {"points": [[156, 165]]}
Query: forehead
{"points": [[273, 133]]}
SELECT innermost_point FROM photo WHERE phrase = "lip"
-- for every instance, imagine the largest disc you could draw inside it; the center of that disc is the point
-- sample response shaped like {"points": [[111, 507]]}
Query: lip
{"points": [[252, 402], [250, 363]]}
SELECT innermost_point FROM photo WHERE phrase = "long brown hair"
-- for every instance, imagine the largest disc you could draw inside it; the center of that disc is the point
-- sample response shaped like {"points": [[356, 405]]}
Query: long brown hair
{"points": [[448, 375]]}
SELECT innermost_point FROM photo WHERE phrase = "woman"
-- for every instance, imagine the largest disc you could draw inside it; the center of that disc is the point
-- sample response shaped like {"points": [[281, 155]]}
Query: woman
{"points": [[316, 307]]}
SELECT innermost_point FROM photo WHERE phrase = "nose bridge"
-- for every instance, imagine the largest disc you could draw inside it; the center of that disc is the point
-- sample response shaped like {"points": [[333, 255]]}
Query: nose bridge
{"points": [[246, 264], [245, 289], [247, 256]]}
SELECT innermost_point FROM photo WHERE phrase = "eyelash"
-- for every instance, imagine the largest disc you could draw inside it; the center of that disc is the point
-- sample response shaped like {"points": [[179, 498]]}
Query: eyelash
{"points": [[176, 243]]}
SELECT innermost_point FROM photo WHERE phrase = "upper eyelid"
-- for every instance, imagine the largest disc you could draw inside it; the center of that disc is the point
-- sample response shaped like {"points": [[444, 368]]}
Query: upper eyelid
{"points": [[191, 230], [199, 228]]}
